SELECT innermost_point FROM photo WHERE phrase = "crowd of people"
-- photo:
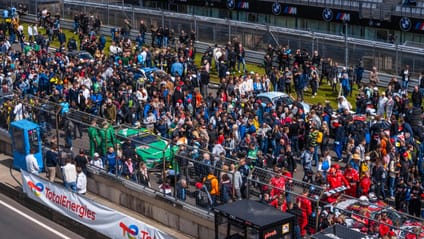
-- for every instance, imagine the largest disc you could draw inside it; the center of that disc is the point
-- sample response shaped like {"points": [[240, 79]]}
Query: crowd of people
{"points": [[370, 145]]}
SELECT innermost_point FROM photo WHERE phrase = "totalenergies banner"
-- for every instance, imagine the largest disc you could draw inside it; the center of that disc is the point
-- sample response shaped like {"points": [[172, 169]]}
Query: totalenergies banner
{"points": [[90, 213]]}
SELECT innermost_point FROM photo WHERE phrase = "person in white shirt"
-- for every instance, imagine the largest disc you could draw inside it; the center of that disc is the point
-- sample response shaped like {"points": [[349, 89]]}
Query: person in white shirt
{"points": [[249, 84], [35, 32], [97, 161], [114, 49], [31, 163], [150, 121], [81, 182], [18, 111], [69, 175], [30, 34]]}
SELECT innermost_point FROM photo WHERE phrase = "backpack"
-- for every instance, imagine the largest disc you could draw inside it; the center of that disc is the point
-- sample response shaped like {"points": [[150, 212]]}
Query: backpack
{"points": [[325, 165], [320, 136], [208, 184], [364, 167]]}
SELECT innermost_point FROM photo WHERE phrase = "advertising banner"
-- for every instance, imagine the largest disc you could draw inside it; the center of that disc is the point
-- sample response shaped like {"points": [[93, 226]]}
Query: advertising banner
{"points": [[87, 212]]}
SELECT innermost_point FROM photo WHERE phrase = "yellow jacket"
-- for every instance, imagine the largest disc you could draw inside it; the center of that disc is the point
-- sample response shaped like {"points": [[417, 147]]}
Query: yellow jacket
{"points": [[214, 184]]}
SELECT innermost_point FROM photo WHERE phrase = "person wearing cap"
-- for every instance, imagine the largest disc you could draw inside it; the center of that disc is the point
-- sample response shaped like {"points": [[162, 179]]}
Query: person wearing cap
{"points": [[96, 161]]}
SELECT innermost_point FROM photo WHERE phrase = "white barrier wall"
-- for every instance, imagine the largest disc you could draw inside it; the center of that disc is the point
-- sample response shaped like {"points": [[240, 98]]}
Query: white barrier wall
{"points": [[87, 212]]}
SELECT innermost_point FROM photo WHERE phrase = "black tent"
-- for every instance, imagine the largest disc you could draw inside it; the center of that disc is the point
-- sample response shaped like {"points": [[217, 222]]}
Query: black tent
{"points": [[255, 219], [338, 231]]}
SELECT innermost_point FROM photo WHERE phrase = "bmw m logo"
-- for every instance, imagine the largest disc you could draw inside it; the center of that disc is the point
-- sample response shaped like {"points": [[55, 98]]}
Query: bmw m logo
{"points": [[276, 8], [327, 14], [231, 4], [405, 24]]}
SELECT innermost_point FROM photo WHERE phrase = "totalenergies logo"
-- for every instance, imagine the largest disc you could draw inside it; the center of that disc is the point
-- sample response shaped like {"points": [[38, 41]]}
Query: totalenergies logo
{"points": [[132, 232], [37, 188]]}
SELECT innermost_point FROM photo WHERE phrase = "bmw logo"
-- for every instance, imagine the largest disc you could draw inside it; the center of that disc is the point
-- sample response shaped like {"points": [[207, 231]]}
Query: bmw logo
{"points": [[327, 14], [231, 4], [405, 24], [276, 8]]}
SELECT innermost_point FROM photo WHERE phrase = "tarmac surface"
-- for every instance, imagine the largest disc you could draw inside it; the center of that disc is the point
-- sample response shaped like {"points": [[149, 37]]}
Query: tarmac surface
{"points": [[17, 221]]}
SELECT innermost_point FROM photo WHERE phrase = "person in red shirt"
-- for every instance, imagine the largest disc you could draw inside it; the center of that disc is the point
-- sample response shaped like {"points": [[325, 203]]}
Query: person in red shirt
{"points": [[340, 178], [279, 203], [278, 184], [288, 176], [305, 205], [352, 177], [384, 227], [365, 184], [335, 180]]}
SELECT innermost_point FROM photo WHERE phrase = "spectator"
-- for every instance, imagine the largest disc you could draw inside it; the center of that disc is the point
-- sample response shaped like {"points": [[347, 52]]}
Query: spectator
{"points": [[81, 181], [129, 170], [142, 30], [380, 178], [416, 97], [373, 77], [226, 189], [203, 197], [96, 161], [240, 57], [31, 162], [406, 75], [212, 185], [81, 160], [143, 177], [52, 159], [305, 205], [352, 176], [278, 183], [112, 161], [181, 189], [306, 159], [69, 173]]}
